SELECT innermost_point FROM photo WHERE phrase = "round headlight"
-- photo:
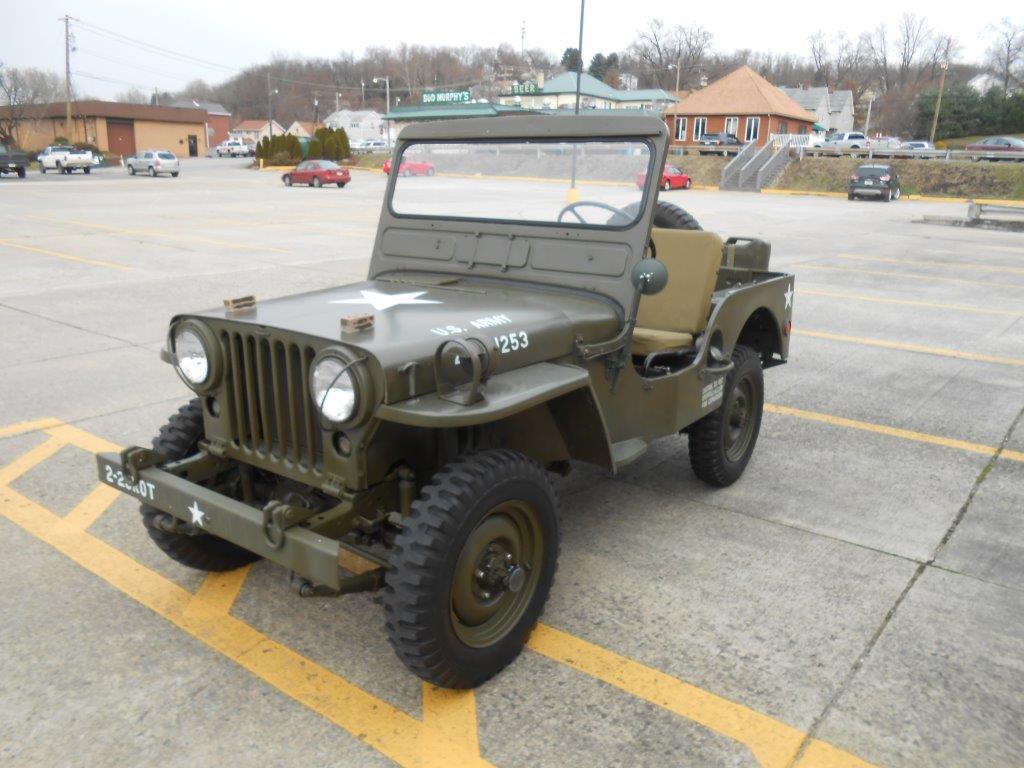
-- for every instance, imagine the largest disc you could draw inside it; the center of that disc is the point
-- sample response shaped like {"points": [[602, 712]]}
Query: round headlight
{"points": [[333, 389], [192, 359]]}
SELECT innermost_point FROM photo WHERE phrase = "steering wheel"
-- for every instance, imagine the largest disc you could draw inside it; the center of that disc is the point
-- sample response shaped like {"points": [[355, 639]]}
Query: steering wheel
{"points": [[571, 208]]}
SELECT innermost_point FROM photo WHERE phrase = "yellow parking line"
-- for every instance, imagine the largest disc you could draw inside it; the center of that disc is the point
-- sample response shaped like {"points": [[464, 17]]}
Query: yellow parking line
{"points": [[451, 733], [820, 754], [28, 460], [67, 256], [28, 426], [165, 236], [804, 291], [381, 725], [939, 351], [89, 509], [933, 263], [87, 441], [772, 742], [219, 591], [911, 275], [882, 429]]}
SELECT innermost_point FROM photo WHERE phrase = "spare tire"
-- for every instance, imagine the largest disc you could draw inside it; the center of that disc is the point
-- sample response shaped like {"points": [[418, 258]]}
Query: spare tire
{"points": [[668, 216]]}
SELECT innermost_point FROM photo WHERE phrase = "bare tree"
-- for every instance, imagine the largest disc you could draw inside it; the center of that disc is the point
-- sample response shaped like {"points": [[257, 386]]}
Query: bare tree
{"points": [[1005, 56], [658, 50], [133, 96], [821, 58], [22, 88], [915, 37]]}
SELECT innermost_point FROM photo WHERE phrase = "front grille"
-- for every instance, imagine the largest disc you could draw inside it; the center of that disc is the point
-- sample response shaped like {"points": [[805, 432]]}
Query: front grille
{"points": [[272, 414]]}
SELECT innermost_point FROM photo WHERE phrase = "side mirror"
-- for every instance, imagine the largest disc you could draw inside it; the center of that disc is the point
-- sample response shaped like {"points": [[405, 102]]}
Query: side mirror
{"points": [[649, 276]]}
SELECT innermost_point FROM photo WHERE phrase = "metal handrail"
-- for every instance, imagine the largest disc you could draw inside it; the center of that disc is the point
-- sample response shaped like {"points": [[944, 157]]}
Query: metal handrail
{"points": [[745, 174], [776, 163], [734, 166]]}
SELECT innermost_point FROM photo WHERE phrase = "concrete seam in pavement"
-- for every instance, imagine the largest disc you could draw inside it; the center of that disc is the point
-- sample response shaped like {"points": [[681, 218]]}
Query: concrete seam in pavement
{"points": [[812, 732], [73, 422]]}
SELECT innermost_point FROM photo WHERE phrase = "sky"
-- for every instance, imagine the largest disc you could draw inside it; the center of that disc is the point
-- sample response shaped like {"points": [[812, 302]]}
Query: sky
{"points": [[230, 36]]}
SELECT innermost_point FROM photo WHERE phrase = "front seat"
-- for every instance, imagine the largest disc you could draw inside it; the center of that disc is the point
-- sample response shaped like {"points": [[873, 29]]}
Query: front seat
{"points": [[669, 321]]}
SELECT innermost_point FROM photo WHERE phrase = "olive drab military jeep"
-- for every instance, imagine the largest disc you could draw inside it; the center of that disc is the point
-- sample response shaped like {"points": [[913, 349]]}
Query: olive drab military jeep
{"points": [[527, 306]]}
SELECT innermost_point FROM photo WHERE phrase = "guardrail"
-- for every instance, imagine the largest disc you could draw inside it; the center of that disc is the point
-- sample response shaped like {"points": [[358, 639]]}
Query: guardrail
{"points": [[895, 153], [976, 210]]}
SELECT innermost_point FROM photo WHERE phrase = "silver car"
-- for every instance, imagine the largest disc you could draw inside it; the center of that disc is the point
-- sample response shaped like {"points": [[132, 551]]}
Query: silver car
{"points": [[153, 162]]}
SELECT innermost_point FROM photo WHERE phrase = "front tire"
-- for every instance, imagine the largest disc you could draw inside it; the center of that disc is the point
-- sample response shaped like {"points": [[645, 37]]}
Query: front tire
{"points": [[316, 182], [152, 171], [287, 179], [87, 170], [179, 439], [21, 173], [131, 170], [472, 568], [722, 442], [667, 186]]}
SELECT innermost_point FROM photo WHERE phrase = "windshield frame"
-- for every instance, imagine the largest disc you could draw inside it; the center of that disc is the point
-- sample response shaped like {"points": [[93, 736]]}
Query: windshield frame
{"points": [[399, 158]]}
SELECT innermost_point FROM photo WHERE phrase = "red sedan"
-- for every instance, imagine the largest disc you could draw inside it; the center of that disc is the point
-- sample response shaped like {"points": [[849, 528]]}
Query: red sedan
{"points": [[316, 173], [671, 178], [410, 168]]}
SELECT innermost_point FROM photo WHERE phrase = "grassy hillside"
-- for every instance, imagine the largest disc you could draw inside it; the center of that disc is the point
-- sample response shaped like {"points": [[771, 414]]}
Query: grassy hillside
{"points": [[917, 177]]}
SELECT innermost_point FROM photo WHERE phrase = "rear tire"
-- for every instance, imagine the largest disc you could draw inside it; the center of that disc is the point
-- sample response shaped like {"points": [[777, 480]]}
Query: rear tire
{"points": [[152, 171], [131, 170], [87, 170], [850, 196], [178, 439], [430, 171], [287, 179], [42, 168], [22, 173], [341, 185], [316, 182], [174, 174], [722, 442], [472, 568], [667, 186], [688, 184]]}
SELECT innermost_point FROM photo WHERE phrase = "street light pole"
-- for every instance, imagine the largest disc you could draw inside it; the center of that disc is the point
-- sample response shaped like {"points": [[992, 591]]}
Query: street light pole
{"points": [[270, 109], [67, 76], [387, 99], [579, 51], [679, 69]]}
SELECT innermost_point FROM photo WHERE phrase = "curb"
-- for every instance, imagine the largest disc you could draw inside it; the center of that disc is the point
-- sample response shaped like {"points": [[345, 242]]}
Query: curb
{"points": [[923, 198]]}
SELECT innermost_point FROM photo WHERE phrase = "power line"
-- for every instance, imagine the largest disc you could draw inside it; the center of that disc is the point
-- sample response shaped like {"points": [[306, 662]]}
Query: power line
{"points": [[150, 47], [95, 54]]}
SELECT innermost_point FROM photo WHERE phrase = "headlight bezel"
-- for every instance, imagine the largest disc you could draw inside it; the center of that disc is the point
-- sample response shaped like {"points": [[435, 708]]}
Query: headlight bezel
{"points": [[362, 386], [208, 340]]}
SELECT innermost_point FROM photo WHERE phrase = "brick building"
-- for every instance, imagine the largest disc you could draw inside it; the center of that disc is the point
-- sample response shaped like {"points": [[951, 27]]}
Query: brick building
{"points": [[742, 103]]}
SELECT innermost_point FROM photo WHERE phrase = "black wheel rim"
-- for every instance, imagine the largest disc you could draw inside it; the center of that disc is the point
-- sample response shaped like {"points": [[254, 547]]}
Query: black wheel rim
{"points": [[739, 419], [497, 574]]}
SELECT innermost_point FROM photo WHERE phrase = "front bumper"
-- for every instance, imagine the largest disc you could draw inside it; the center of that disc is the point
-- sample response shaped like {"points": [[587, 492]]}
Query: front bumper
{"points": [[303, 551]]}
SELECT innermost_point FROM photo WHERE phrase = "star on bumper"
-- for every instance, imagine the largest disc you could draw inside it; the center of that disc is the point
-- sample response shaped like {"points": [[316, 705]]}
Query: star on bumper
{"points": [[381, 301], [789, 297], [197, 514]]}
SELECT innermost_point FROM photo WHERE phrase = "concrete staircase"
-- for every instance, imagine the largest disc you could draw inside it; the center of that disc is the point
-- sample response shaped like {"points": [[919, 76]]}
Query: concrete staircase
{"points": [[753, 168]]}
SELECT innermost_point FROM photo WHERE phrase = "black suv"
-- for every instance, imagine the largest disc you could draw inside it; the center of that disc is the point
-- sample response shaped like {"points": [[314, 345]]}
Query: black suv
{"points": [[879, 181]]}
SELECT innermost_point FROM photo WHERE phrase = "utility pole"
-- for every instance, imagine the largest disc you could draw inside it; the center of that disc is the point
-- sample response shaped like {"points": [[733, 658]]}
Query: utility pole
{"points": [[579, 72], [387, 99], [316, 108], [679, 69], [67, 75], [270, 109], [942, 87], [522, 40]]}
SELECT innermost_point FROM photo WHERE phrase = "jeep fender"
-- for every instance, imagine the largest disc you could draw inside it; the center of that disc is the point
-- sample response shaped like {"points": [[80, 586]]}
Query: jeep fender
{"points": [[546, 410]]}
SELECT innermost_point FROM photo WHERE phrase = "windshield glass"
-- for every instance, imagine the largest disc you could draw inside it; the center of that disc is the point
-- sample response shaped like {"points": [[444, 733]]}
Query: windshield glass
{"points": [[585, 183], [165, 155]]}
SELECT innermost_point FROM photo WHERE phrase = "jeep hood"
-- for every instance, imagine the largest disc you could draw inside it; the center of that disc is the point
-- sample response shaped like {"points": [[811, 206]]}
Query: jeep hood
{"points": [[413, 315]]}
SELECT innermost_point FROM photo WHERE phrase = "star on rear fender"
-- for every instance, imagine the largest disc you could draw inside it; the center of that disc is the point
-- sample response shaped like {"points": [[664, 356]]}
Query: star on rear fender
{"points": [[381, 301]]}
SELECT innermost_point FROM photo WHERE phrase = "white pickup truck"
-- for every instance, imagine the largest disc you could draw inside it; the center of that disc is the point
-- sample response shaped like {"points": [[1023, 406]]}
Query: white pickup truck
{"points": [[65, 159], [235, 148]]}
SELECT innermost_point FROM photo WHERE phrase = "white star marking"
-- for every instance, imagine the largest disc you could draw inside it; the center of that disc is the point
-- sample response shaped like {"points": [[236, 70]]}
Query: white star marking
{"points": [[197, 514], [789, 297], [382, 301]]}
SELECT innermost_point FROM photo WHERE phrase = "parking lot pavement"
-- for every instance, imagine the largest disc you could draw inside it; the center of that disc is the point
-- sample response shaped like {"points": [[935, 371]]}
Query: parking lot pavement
{"points": [[856, 599]]}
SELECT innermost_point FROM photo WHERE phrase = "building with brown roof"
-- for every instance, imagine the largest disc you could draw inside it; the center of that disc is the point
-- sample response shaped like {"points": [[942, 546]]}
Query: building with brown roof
{"points": [[253, 131], [113, 127], [304, 129], [742, 103]]}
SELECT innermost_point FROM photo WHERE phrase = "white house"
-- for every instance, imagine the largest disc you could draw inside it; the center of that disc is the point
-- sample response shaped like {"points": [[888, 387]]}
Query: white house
{"points": [[359, 124], [833, 111], [253, 131]]}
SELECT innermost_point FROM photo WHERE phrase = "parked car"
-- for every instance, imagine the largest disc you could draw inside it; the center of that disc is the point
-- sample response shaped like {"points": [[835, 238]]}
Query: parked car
{"points": [[879, 181], [997, 148], [918, 144], [375, 145], [153, 162], [720, 139], [13, 160], [316, 173], [847, 140], [410, 168], [64, 159], [235, 148], [671, 178]]}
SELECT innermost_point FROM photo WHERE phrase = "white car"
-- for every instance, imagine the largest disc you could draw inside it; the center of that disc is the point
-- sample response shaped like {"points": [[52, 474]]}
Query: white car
{"points": [[847, 140], [64, 159], [154, 162], [235, 148]]}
